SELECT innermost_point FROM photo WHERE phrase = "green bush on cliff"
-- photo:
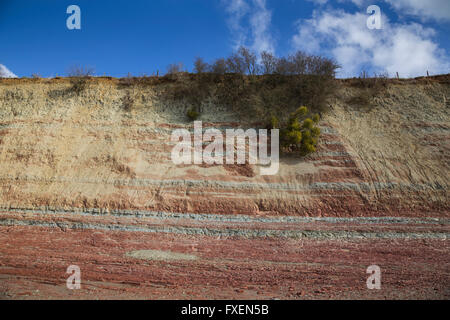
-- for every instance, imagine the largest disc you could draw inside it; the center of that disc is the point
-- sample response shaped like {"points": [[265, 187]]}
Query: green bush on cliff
{"points": [[274, 122], [300, 133], [192, 114]]}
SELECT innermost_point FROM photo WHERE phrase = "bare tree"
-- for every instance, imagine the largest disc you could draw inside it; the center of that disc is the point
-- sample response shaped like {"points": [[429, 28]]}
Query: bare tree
{"points": [[269, 62], [220, 66], [200, 66], [283, 66], [243, 61], [175, 68], [321, 66], [298, 63], [301, 63], [236, 64], [80, 71], [249, 59]]}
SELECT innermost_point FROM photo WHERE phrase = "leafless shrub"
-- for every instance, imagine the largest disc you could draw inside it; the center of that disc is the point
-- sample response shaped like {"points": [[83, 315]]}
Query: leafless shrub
{"points": [[243, 61], [79, 75], [283, 66], [236, 64], [301, 63], [219, 66], [200, 66], [80, 71], [250, 60], [175, 68], [269, 62], [321, 66]]}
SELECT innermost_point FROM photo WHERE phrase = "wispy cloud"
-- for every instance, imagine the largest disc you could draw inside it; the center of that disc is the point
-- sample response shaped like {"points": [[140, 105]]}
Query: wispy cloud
{"points": [[430, 9], [237, 10], [319, 1], [261, 23], [6, 73], [250, 24]]}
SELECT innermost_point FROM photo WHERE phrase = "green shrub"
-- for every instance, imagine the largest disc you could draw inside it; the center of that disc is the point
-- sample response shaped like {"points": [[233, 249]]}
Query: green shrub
{"points": [[192, 114], [301, 138], [291, 137], [274, 122], [316, 118], [308, 124], [300, 112]]}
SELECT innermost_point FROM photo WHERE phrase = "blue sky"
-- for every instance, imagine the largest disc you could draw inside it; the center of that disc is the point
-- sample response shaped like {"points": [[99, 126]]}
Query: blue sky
{"points": [[140, 37]]}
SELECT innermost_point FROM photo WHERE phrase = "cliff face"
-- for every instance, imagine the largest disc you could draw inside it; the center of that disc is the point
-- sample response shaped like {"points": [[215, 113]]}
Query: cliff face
{"points": [[86, 179], [107, 148]]}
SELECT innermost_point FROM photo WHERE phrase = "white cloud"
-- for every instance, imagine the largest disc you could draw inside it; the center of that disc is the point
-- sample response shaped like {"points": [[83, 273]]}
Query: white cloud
{"points": [[6, 73], [236, 9], [260, 22], [255, 14], [425, 9], [404, 48]]}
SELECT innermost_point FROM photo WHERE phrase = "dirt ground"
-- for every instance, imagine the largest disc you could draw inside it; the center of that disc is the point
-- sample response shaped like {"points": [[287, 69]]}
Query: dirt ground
{"points": [[189, 258]]}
